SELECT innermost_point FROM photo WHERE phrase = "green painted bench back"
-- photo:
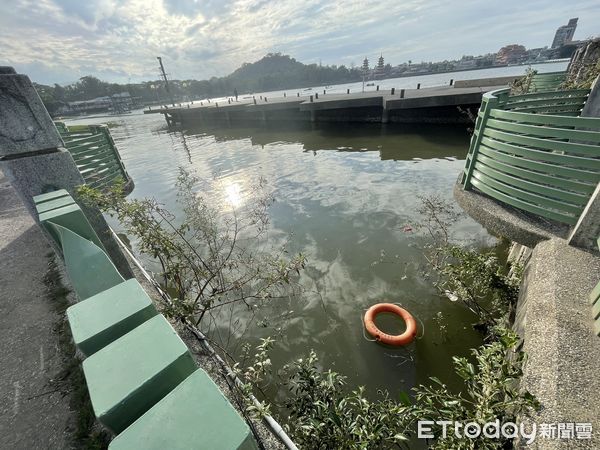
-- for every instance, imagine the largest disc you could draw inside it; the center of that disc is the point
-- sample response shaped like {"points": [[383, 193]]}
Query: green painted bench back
{"points": [[94, 153], [526, 156], [547, 81]]}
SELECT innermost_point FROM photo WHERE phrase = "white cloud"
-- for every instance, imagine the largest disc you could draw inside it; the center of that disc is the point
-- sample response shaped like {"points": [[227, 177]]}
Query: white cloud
{"points": [[62, 40]]}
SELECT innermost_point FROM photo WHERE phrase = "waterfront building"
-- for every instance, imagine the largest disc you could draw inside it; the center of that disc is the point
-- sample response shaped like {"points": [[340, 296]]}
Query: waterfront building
{"points": [[511, 54], [564, 34], [380, 69], [116, 103]]}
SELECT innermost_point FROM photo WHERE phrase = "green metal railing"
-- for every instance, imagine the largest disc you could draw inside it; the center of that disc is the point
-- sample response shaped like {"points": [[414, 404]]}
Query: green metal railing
{"points": [[564, 103], [547, 81], [526, 156], [95, 154]]}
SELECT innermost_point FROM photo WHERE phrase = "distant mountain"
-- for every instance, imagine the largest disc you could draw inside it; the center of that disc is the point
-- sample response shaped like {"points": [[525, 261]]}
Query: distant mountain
{"points": [[277, 71]]}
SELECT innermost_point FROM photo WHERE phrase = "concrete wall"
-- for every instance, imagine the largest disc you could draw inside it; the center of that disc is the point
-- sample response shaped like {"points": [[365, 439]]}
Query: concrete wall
{"points": [[554, 319], [484, 82]]}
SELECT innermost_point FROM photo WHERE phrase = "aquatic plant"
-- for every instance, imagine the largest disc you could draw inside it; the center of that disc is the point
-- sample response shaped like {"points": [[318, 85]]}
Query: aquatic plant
{"points": [[324, 413], [490, 392]]}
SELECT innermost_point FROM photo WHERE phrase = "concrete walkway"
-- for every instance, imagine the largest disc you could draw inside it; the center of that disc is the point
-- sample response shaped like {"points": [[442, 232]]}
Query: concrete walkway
{"points": [[34, 411]]}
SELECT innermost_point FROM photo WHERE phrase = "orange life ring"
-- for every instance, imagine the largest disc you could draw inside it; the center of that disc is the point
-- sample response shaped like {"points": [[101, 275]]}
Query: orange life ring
{"points": [[405, 338]]}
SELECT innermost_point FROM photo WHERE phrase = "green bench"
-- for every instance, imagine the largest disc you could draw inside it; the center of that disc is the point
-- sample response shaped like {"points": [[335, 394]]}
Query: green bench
{"points": [[91, 271], [130, 375], [194, 415], [142, 380], [105, 317], [59, 208]]}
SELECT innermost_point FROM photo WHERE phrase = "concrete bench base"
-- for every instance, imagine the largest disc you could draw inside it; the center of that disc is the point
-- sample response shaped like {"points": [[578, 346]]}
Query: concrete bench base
{"points": [[129, 376], [193, 415], [105, 317]]}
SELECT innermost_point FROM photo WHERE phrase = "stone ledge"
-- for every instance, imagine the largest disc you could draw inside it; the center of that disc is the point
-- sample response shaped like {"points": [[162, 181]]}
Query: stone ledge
{"points": [[504, 220], [25, 125]]}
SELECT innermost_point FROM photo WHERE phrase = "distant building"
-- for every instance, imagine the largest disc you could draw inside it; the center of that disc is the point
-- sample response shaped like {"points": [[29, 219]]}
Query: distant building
{"points": [[121, 103], [511, 54], [116, 103], [365, 66], [466, 62], [564, 34], [380, 69]]}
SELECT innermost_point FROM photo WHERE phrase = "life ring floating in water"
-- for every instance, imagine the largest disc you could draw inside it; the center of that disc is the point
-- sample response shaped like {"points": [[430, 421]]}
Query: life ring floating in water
{"points": [[402, 339]]}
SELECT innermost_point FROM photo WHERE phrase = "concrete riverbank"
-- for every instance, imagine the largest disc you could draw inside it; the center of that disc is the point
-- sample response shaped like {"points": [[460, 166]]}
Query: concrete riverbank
{"points": [[442, 104]]}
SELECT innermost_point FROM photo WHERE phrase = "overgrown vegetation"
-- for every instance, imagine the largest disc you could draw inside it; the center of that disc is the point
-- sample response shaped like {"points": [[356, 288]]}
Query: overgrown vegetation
{"points": [[325, 414], [474, 277], [522, 85], [209, 255], [585, 79], [491, 392]]}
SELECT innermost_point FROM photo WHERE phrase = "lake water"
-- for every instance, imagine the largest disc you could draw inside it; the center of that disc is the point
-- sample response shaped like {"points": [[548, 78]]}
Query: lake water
{"points": [[346, 193]]}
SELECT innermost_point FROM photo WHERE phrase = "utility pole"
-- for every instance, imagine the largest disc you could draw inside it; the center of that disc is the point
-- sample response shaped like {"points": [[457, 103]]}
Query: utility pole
{"points": [[164, 76]]}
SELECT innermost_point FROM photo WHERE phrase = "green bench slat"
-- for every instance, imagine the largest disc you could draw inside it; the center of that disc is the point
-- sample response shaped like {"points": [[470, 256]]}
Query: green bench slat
{"points": [[130, 375], [71, 217], [37, 199], [54, 203], [105, 317], [90, 270], [194, 415]]}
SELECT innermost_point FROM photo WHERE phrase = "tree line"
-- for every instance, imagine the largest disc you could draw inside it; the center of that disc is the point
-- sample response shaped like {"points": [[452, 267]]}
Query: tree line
{"points": [[274, 71]]}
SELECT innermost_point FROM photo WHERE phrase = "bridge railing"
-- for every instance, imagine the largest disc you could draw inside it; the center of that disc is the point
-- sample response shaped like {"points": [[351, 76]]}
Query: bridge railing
{"points": [[95, 154], [525, 155]]}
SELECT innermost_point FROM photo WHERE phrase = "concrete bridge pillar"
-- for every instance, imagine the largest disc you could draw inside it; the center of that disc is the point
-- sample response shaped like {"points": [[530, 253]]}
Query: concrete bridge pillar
{"points": [[33, 157], [313, 116], [385, 115]]}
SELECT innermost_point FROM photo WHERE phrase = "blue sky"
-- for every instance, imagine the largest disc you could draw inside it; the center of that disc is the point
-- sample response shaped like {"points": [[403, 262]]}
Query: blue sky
{"points": [[118, 40]]}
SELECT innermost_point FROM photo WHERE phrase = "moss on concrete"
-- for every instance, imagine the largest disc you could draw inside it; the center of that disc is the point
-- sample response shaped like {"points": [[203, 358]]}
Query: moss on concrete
{"points": [[88, 434]]}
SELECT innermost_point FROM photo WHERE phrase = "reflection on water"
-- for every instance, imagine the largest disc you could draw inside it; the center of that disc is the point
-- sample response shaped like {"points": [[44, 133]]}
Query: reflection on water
{"points": [[347, 193], [418, 141]]}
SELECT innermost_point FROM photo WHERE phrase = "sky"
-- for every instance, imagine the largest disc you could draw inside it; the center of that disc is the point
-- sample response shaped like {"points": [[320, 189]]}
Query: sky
{"points": [[59, 41]]}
